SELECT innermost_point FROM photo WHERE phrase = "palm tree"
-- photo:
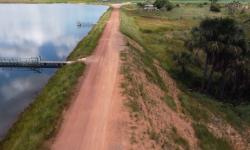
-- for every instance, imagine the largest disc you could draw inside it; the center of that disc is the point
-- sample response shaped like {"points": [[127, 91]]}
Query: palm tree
{"points": [[182, 59], [223, 41], [213, 1]]}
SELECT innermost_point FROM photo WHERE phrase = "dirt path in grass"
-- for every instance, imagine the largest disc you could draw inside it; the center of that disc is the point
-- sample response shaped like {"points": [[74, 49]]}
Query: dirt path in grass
{"points": [[96, 117]]}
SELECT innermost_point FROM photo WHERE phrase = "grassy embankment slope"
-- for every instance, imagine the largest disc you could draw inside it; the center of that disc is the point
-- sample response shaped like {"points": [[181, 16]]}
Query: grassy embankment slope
{"points": [[163, 33], [40, 120]]}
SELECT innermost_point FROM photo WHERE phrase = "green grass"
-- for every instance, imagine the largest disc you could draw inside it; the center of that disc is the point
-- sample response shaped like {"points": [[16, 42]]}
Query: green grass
{"points": [[170, 102], [132, 92], [237, 116], [133, 89], [150, 70], [243, 112], [200, 106], [179, 140], [154, 136], [193, 108], [133, 105], [162, 34], [208, 141], [86, 46], [39, 121]]}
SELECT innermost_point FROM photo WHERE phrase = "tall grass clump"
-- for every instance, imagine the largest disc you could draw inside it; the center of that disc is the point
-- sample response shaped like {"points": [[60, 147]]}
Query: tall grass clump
{"points": [[207, 141]]}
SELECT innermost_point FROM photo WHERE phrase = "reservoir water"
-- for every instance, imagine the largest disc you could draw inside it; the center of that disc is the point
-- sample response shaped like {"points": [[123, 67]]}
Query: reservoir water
{"points": [[31, 30]]}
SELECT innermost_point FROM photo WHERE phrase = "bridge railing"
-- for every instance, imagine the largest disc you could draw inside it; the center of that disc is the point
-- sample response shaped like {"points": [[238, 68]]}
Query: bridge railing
{"points": [[32, 62], [19, 60]]}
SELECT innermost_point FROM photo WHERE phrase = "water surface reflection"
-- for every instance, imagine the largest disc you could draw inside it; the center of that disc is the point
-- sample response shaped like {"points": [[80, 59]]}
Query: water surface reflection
{"points": [[30, 30]]}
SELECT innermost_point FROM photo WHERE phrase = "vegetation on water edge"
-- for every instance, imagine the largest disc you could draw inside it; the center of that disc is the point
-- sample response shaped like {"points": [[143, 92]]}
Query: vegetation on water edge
{"points": [[40, 120]]}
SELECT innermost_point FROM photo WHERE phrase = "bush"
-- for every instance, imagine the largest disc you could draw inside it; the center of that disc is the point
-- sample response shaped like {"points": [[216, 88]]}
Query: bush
{"points": [[169, 6], [163, 4], [140, 4], [208, 141], [215, 8], [224, 42], [243, 11], [200, 5], [182, 59]]}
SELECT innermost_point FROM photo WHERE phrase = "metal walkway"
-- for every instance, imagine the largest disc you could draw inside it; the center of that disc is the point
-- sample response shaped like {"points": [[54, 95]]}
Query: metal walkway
{"points": [[33, 62]]}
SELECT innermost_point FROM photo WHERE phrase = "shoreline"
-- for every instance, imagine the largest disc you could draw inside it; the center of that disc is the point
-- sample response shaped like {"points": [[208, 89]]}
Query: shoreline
{"points": [[39, 121]]}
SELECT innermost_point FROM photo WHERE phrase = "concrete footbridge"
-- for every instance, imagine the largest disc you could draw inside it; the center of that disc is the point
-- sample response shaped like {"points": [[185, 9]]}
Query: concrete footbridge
{"points": [[33, 62]]}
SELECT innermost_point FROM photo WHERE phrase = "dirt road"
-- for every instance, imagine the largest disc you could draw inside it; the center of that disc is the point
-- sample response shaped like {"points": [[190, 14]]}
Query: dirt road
{"points": [[93, 119]]}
